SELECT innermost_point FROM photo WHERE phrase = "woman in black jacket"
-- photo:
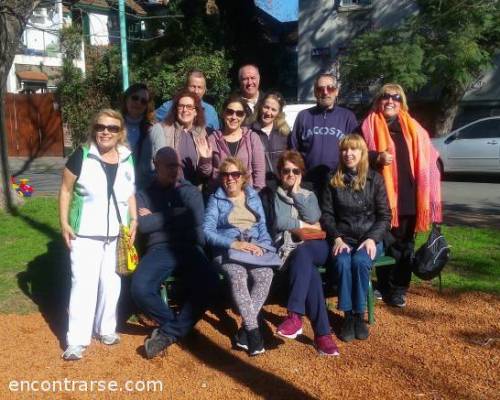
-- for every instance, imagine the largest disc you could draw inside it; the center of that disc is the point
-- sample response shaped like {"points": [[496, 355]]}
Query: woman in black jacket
{"points": [[355, 216]]}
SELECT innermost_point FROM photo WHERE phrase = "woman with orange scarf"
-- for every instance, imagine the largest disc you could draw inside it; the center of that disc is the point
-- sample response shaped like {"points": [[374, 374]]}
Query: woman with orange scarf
{"points": [[404, 155]]}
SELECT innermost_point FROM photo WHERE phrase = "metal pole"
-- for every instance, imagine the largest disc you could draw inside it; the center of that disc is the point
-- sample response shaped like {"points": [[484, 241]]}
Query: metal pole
{"points": [[123, 43]]}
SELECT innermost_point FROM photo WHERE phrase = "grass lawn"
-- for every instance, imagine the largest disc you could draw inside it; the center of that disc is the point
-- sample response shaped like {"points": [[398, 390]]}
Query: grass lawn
{"points": [[34, 264]]}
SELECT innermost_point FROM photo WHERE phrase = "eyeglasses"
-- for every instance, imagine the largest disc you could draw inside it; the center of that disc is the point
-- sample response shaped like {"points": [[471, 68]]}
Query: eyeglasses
{"points": [[239, 113], [287, 171], [114, 129], [328, 88], [234, 174], [142, 100], [394, 97], [188, 107]]}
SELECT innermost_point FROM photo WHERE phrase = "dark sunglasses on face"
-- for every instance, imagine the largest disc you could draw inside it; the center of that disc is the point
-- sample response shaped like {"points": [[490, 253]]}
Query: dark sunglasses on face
{"points": [[235, 175], [287, 171], [230, 111], [394, 97], [110, 128], [142, 100], [328, 88]]}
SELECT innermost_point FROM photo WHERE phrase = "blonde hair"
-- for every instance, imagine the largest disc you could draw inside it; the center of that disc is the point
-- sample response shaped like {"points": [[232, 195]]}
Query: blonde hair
{"points": [[279, 122], [392, 87], [239, 165], [352, 141], [108, 112]]}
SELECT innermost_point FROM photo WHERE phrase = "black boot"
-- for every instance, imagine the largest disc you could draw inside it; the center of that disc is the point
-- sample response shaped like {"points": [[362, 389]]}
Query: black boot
{"points": [[255, 342], [347, 330], [361, 327]]}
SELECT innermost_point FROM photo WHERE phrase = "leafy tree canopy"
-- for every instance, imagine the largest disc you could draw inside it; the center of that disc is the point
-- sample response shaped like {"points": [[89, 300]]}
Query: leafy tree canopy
{"points": [[450, 44]]}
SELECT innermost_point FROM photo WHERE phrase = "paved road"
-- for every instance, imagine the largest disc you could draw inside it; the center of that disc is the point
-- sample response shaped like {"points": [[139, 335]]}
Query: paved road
{"points": [[472, 203]]}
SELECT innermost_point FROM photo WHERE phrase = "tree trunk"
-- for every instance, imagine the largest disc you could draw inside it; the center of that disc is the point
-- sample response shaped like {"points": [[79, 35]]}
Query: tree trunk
{"points": [[448, 109], [13, 17]]}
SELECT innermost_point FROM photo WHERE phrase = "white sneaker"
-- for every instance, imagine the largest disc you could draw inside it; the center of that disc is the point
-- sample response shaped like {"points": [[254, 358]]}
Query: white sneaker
{"points": [[110, 339], [74, 352]]}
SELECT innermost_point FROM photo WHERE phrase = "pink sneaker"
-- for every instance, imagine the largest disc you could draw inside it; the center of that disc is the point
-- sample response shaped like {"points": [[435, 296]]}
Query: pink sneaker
{"points": [[291, 327], [326, 345]]}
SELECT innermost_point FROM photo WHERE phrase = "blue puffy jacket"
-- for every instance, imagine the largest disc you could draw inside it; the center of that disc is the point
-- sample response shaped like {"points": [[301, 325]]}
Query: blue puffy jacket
{"points": [[219, 233]]}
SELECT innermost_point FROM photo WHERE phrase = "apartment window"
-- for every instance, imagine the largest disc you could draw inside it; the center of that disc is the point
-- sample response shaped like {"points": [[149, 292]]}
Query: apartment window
{"points": [[348, 3], [351, 5]]}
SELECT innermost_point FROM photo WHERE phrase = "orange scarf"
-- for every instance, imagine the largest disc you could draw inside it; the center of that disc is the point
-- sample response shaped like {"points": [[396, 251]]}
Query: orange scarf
{"points": [[423, 162]]}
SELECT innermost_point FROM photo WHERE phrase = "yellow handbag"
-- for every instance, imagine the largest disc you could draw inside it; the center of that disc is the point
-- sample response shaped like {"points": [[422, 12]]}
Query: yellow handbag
{"points": [[126, 253]]}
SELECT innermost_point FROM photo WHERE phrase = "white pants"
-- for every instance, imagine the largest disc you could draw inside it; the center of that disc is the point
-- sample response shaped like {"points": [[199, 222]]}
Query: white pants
{"points": [[95, 289]]}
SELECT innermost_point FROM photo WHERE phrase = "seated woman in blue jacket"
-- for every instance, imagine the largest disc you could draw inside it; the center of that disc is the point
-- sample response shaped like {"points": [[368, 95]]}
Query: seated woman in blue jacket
{"points": [[356, 217], [234, 214]]}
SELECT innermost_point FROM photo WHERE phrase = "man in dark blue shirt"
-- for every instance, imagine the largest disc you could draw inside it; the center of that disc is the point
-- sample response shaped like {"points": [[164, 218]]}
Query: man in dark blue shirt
{"points": [[317, 130], [171, 219]]}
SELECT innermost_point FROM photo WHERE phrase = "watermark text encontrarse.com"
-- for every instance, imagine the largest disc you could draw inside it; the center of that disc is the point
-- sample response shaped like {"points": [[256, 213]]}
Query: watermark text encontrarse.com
{"points": [[75, 385]]}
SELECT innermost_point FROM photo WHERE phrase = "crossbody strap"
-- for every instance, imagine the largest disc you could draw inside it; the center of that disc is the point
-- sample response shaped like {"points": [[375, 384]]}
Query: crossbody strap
{"points": [[116, 207]]}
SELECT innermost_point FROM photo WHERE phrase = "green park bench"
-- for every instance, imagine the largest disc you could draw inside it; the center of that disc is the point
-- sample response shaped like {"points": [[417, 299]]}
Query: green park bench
{"points": [[379, 262]]}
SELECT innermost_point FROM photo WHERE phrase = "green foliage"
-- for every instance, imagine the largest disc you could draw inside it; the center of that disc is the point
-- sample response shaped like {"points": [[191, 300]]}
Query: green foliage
{"points": [[71, 42], [168, 79], [449, 44], [388, 56], [194, 41], [81, 97]]}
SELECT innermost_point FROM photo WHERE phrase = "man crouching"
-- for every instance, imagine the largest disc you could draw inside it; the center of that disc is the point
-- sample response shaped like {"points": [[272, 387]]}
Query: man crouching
{"points": [[170, 219]]}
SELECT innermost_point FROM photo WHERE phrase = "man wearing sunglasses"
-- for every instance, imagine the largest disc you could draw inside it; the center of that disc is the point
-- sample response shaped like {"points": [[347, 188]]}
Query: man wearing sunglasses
{"points": [[196, 83], [317, 130]]}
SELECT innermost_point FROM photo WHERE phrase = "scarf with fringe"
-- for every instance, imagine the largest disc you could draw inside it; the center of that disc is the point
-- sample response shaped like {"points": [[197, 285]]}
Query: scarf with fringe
{"points": [[423, 162]]}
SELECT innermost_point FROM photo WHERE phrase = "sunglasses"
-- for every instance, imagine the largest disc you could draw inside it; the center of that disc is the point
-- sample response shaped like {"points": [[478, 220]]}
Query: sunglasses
{"points": [[287, 171], [239, 113], [328, 88], [142, 100], [235, 175], [394, 97], [114, 129], [188, 107]]}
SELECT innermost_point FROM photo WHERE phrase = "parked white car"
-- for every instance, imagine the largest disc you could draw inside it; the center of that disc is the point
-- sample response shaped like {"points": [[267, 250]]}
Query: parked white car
{"points": [[473, 148], [291, 111]]}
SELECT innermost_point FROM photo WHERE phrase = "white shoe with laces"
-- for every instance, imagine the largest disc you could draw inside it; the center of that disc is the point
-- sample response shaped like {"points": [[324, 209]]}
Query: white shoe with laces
{"points": [[74, 352], [110, 340]]}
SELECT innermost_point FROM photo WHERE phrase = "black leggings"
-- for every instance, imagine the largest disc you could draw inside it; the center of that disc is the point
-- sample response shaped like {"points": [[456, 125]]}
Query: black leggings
{"points": [[395, 279]]}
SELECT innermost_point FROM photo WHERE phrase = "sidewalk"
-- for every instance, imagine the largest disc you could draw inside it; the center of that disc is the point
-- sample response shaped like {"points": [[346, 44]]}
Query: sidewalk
{"points": [[44, 173]]}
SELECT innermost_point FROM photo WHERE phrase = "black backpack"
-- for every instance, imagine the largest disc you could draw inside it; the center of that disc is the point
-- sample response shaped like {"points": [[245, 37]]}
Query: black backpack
{"points": [[430, 259]]}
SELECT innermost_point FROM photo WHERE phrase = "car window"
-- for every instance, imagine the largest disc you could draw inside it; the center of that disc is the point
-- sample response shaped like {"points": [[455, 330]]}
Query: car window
{"points": [[482, 130]]}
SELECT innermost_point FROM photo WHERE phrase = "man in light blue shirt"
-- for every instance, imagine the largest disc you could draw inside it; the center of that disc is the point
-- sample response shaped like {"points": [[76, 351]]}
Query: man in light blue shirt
{"points": [[197, 84]]}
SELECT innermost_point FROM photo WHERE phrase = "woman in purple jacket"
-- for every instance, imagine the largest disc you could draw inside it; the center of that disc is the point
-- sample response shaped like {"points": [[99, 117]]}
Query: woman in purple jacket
{"points": [[240, 142]]}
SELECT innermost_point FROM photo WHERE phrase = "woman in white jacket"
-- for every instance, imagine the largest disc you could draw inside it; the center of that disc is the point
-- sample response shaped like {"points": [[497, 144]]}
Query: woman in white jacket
{"points": [[95, 173]]}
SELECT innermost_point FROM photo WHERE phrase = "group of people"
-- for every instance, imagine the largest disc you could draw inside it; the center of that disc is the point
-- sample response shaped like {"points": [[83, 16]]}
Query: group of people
{"points": [[247, 198]]}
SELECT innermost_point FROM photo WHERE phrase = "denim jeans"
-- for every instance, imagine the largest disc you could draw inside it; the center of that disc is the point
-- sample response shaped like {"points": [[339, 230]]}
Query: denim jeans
{"points": [[198, 276], [353, 272]]}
